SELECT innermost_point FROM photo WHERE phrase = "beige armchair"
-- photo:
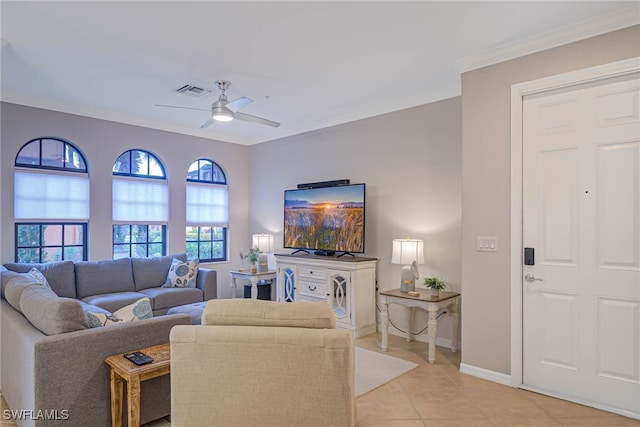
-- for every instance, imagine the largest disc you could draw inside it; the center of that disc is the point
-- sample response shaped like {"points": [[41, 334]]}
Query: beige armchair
{"points": [[262, 363]]}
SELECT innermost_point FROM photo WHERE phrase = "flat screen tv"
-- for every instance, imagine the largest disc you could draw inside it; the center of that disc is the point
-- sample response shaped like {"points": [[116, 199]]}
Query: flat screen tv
{"points": [[325, 220]]}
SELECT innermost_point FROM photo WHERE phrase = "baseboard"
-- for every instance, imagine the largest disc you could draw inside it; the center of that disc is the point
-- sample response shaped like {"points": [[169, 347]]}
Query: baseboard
{"points": [[365, 330], [486, 374], [624, 413], [444, 342]]}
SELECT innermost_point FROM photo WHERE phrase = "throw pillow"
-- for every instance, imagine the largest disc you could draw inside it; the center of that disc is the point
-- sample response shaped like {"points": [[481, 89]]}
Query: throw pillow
{"points": [[39, 277], [96, 320], [139, 310], [182, 274]]}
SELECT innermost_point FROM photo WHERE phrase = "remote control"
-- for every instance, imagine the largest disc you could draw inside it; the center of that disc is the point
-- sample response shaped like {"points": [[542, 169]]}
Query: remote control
{"points": [[138, 358]]}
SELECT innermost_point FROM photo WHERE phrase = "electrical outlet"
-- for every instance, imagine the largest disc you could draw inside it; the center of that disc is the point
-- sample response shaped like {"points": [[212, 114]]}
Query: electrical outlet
{"points": [[487, 244]]}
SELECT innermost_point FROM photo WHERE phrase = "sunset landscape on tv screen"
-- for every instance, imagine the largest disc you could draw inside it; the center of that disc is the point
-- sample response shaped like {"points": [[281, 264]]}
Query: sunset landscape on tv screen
{"points": [[330, 219]]}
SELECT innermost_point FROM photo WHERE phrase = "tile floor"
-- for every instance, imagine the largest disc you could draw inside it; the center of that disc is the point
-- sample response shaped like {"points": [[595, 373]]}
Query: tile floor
{"points": [[439, 395]]}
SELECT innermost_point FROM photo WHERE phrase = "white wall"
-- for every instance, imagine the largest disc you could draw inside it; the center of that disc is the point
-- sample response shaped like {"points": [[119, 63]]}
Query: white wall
{"points": [[102, 142], [410, 161]]}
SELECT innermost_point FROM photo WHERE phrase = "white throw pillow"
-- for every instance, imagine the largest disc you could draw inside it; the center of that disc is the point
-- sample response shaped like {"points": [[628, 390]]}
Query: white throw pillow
{"points": [[139, 310], [182, 274], [39, 277]]}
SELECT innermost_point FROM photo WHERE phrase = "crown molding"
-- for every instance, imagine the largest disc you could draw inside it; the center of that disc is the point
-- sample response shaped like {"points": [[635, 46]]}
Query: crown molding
{"points": [[616, 20], [286, 130]]}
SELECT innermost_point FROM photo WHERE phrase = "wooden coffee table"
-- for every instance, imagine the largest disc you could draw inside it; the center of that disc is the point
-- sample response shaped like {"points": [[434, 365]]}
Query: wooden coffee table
{"points": [[124, 370]]}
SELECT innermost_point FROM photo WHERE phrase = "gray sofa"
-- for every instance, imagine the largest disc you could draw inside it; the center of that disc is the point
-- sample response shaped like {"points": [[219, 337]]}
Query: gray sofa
{"points": [[112, 284], [52, 364]]}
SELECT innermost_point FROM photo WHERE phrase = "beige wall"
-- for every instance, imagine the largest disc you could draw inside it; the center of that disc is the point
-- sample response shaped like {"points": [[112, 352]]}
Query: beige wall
{"points": [[486, 184], [410, 161], [439, 172], [102, 142]]}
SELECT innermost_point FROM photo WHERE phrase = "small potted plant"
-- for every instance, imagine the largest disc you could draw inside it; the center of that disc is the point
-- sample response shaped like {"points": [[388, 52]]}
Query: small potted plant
{"points": [[252, 257], [436, 285]]}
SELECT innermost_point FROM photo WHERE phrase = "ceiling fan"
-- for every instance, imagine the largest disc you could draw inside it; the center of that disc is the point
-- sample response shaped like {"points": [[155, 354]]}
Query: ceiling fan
{"points": [[224, 110]]}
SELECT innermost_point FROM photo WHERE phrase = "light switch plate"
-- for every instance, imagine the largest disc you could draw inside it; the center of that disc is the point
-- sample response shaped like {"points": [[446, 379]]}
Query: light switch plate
{"points": [[487, 244]]}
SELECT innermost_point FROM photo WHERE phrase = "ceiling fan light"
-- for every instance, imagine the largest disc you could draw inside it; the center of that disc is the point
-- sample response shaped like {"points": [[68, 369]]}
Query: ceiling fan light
{"points": [[221, 115]]}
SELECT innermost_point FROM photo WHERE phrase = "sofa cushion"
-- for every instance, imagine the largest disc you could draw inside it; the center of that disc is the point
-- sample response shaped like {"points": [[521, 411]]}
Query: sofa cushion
{"points": [[152, 272], [60, 275], [250, 312], [51, 314], [163, 298], [102, 277], [14, 284], [193, 310], [90, 308], [114, 301], [139, 310], [5, 275]]}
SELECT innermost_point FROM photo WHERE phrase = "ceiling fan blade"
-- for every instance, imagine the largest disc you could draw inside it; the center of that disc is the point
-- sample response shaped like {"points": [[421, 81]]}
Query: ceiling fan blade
{"points": [[206, 124], [182, 108], [254, 119], [238, 104]]}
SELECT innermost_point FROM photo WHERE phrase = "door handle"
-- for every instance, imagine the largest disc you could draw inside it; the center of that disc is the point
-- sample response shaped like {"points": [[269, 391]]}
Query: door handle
{"points": [[530, 278]]}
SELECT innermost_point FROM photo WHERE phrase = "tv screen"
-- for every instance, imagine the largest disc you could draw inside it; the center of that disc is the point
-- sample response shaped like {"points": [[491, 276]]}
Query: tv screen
{"points": [[325, 219]]}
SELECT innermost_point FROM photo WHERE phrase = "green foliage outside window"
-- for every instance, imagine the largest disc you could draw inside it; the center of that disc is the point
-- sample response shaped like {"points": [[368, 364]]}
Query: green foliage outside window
{"points": [[138, 240], [206, 243], [49, 242]]}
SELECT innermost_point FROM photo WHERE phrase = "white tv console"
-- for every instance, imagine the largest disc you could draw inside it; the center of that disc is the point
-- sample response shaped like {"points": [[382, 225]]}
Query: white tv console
{"points": [[347, 284]]}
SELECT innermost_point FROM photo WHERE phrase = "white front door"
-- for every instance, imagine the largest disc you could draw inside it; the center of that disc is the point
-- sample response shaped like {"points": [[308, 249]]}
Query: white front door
{"points": [[581, 216]]}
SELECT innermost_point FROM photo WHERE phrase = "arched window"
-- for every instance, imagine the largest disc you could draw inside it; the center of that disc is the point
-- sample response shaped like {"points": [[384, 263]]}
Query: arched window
{"points": [[207, 211], [51, 202], [140, 205]]}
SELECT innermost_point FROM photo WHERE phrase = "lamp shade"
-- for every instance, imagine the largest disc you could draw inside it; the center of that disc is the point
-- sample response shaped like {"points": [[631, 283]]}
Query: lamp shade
{"points": [[405, 251], [264, 242]]}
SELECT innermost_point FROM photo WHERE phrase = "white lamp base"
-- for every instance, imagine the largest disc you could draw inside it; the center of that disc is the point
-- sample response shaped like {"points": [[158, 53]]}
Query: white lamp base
{"points": [[407, 279], [263, 263]]}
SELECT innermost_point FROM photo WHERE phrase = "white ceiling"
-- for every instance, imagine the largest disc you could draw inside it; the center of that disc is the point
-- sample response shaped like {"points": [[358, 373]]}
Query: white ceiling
{"points": [[305, 64]]}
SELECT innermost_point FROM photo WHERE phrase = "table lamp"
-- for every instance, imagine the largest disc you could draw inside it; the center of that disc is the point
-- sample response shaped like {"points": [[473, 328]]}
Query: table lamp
{"points": [[264, 243], [409, 253]]}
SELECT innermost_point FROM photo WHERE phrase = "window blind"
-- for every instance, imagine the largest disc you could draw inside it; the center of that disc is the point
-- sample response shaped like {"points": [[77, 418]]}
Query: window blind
{"points": [[51, 196], [139, 200], [207, 204]]}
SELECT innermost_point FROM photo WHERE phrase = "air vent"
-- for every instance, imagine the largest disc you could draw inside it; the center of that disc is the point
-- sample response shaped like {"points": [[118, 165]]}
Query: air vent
{"points": [[193, 91]]}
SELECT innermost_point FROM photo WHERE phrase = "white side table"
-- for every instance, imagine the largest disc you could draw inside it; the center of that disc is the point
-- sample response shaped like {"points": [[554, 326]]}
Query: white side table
{"points": [[254, 278], [447, 300]]}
